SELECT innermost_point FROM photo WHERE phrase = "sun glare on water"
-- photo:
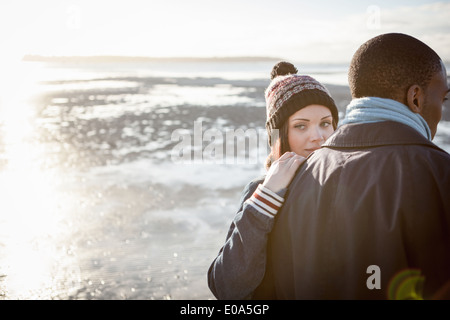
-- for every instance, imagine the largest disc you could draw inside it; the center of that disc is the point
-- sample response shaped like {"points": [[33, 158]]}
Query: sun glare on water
{"points": [[31, 214]]}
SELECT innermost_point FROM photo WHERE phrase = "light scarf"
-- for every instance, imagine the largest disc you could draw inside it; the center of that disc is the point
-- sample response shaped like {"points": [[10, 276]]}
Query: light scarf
{"points": [[374, 109]]}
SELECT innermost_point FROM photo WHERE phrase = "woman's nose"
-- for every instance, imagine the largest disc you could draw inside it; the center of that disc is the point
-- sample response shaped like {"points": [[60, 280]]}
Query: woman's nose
{"points": [[317, 135]]}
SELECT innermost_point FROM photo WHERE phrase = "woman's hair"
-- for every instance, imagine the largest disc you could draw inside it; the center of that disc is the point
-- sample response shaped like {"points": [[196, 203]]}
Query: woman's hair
{"points": [[282, 144]]}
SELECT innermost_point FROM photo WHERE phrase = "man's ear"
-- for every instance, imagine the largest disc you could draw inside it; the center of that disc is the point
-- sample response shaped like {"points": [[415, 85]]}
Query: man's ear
{"points": [[415, 98]]}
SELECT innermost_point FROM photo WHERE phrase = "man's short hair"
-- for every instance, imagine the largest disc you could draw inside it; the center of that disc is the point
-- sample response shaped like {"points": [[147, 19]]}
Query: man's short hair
{"points": [[387, 65]]}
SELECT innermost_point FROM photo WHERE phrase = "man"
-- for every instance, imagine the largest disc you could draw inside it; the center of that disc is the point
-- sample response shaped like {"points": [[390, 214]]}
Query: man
{"points": [[368, 215]]}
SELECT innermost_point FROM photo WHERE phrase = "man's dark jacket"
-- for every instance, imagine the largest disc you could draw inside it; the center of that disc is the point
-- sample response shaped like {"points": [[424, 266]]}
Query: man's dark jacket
{"points": [[375, 196]]}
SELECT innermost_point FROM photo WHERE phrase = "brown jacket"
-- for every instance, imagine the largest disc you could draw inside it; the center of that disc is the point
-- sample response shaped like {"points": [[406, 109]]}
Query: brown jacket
{"points": [[375, 196]]}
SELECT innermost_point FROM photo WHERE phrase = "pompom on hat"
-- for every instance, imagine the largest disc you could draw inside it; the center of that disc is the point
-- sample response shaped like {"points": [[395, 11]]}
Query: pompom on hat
{"points": [[289, 92]]}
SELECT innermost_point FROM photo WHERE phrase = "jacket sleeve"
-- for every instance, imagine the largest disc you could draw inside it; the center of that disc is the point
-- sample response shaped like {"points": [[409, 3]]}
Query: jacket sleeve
{"points": [[240, 265]]}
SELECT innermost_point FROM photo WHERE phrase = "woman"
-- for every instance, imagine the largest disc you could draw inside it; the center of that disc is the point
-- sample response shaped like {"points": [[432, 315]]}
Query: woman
{"points": [[301, 115]]}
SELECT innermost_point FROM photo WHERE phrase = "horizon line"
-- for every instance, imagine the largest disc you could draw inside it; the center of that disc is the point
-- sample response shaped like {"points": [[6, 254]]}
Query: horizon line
{"points": [[127, 58], [100, 58]]}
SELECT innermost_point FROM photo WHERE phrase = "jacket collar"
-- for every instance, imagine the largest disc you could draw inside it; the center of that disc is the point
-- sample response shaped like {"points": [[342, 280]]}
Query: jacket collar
{"points": [[360, 135]]}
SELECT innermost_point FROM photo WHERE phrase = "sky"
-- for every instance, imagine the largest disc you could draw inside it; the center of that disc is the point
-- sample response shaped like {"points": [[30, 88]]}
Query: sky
{"points": [[308, 31]]}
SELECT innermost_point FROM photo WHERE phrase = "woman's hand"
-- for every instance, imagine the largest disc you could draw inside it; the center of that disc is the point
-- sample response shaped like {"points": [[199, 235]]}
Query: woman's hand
{"points": [[282, 171]]}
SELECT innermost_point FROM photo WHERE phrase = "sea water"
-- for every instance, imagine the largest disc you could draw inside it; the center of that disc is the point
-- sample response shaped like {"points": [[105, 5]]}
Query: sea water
{"points": [[119, 181]]}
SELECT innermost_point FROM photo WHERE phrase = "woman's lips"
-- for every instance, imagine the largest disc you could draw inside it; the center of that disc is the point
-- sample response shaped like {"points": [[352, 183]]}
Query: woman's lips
{"points": [[312, 149]]}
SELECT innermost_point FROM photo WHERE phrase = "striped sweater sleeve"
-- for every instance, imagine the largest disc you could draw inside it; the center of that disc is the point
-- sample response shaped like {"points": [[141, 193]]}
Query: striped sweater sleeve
{"points": [[266, 201], [239, 268]]}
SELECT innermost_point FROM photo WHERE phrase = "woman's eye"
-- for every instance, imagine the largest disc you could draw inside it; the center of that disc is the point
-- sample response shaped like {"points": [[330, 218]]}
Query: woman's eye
{"points": [[300, 126], [326, 124]]}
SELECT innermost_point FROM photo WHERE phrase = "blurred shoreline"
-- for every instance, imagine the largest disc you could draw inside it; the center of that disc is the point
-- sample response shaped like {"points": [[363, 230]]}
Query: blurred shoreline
{"points": [[141, 59]]}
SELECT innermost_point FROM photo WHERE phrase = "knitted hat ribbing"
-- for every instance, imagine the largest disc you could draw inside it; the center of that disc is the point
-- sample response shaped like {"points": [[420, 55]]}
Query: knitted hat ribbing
{"points": [[287, 94]]}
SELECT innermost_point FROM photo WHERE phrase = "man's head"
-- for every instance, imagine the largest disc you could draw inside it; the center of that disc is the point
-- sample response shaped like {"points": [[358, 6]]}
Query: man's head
{"points": [[399, 67]]}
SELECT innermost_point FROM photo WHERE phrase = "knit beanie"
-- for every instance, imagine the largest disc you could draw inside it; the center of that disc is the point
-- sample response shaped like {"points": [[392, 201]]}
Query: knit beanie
{"points": [[289, 92]]}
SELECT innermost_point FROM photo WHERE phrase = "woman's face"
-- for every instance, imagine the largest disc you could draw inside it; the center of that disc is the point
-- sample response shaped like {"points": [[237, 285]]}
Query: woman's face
{"points": [[308, 129]]}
